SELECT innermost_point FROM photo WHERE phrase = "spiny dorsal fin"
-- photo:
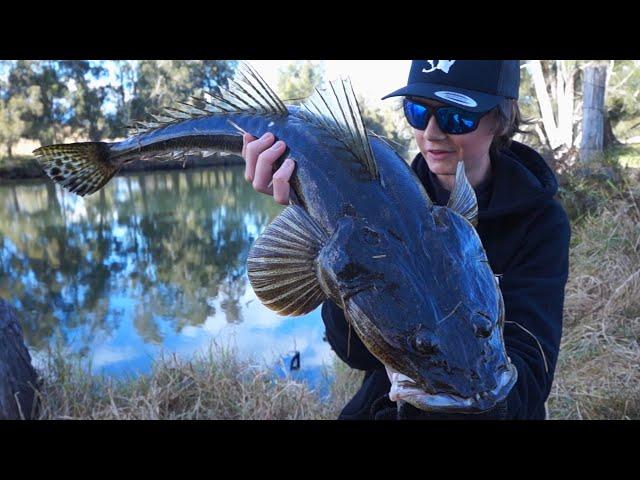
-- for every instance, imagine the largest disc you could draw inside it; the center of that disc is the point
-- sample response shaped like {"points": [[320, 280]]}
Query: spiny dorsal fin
{"points": [[335, 108], [281, 263], [245, 92], [463, 199]]}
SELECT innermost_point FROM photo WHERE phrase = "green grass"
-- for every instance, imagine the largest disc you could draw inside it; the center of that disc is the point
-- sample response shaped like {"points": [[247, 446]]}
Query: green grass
{"points": [[626, 155]]}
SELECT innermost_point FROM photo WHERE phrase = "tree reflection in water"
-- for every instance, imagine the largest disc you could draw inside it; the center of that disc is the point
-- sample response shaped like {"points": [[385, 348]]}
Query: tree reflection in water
{"points": [[153, 246]]}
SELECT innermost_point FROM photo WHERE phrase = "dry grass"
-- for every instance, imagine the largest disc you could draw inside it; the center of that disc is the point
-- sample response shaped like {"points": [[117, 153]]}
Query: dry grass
{"points": [[217, 385], [598, 373]]}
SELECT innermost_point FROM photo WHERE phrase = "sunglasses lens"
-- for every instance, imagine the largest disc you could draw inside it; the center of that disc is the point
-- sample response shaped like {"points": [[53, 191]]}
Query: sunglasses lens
{"points": [[451, 120], [457, 122], [416, 114]]}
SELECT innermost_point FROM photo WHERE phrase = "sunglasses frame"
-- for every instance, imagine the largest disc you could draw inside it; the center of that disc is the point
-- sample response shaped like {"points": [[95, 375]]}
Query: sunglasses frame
{"points": [[432, 112]]}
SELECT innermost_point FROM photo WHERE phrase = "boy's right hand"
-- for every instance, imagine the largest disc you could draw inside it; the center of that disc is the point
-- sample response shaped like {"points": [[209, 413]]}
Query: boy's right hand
{"points": [[259, 156]]}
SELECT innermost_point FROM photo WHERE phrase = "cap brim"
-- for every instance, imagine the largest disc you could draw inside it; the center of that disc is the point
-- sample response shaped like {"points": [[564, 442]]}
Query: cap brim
{"points": [[457, 97]]}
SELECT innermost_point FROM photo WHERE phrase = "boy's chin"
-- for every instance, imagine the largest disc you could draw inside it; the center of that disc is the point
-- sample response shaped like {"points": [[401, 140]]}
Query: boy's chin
{"points": [[442, 168]]}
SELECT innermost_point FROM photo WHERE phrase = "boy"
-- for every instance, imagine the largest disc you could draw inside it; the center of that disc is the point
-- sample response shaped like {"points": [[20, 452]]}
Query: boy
{"points": [[467, 110]]}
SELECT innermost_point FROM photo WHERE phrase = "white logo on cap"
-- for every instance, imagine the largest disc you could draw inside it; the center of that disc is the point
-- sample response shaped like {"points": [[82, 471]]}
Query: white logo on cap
{"points": [[443, 65], [458, 98]]}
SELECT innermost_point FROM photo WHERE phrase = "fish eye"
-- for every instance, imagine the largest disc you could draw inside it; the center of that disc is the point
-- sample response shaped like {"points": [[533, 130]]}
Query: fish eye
{"points": [[482, 325]]}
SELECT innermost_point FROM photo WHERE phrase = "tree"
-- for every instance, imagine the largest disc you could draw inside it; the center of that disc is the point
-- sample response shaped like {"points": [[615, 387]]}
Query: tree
{"points": [[593, 122], [86, 102], [557, 87], [161, 83], [622, 102], [12, 110], [119, 94], [12, 126], [44, 123], [554, 85], [209, 74], [389, 123], [297, 80]]}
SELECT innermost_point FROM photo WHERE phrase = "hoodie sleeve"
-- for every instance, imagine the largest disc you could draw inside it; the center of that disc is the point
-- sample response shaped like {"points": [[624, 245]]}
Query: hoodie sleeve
{"points": [[533, 291]]}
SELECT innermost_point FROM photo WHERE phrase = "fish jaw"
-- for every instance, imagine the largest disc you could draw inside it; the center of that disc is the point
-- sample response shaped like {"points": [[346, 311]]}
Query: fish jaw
{"points": [[402, 388]]}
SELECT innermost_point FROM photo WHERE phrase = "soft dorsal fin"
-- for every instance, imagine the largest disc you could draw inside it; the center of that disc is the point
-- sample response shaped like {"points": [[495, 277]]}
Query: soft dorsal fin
{"points": [[463, 199], [245, 92], [335, 108]]}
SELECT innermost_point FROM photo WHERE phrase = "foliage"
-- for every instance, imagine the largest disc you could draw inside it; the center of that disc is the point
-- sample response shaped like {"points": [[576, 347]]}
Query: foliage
{"points": [[297, 80], [584, 191], [50, 101], [388, 122]]}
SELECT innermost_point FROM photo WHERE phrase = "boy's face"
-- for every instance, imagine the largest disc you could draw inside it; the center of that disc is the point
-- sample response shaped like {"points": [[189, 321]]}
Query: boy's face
{"points": [[443, 151]]}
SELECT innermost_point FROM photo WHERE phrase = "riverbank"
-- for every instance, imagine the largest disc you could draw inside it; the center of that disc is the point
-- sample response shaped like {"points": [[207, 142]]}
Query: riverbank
{"points": [[27, 167], [217, 385], [597, 375]]}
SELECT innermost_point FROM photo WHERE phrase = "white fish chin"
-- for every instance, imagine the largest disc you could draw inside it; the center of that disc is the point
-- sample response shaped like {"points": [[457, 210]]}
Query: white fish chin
{"points": [[445, 402]]}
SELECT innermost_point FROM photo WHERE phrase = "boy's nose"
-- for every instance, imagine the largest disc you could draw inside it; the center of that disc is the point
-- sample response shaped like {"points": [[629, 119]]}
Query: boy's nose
{"points": [[433, 132]]}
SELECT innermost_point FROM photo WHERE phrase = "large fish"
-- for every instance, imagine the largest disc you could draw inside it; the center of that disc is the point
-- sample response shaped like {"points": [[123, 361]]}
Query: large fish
{"points": [[413, 278]]}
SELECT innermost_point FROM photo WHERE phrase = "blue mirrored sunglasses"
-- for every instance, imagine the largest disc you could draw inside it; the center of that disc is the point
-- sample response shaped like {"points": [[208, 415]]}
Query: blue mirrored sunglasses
{"points": [[451, 120]]}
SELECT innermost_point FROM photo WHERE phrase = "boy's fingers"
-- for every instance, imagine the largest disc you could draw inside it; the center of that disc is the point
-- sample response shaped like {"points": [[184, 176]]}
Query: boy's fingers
{"points": [[252, 151], [264, 167], [281, 185], [246, 139]]}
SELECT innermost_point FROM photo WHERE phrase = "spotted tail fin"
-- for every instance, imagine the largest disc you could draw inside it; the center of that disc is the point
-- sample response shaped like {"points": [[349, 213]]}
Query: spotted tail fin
{"points": [[81, 168]]}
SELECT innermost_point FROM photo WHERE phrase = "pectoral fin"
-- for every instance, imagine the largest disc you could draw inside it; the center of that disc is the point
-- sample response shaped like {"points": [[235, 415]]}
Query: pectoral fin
{"points": [[282, 263]]}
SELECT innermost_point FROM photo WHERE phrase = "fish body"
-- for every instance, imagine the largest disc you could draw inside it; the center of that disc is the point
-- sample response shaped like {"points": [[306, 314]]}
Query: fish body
{"points": [[413, 278]]}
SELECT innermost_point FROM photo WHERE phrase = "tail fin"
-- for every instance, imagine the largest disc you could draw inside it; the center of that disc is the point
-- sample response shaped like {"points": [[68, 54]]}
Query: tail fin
{"points": [[81, 168]]}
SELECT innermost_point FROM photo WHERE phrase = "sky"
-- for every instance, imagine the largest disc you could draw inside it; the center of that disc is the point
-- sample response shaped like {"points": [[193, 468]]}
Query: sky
{"points": [[371, 78]]}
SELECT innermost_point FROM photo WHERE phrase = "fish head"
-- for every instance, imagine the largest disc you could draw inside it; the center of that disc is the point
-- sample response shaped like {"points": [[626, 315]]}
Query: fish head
{"points": [[434, 320]]}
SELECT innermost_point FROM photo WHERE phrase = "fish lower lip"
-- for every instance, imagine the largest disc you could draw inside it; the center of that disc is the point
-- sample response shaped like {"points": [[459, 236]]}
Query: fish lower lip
{"points": [[446, 402]]}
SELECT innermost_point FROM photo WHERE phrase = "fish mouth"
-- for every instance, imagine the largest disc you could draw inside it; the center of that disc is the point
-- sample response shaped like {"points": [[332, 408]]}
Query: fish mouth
{"points": [[405, 389]]}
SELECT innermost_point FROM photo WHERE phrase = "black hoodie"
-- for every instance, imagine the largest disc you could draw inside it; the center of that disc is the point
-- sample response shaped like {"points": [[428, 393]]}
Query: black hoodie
{"points": [[525, 233]]}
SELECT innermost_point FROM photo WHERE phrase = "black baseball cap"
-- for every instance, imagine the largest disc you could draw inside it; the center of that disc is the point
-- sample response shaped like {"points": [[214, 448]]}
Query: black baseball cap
{"points": [[475, 85]]}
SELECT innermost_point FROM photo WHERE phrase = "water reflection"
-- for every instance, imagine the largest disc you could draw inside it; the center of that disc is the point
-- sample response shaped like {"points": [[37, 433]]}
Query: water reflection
{"points": [[152, 260]]}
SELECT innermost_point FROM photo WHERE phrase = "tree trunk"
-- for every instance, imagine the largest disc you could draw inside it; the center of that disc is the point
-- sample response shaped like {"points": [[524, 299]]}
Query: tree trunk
{"points": [[546, 108], [18, 379], [609, 139], [565, 100], [592, 142]]}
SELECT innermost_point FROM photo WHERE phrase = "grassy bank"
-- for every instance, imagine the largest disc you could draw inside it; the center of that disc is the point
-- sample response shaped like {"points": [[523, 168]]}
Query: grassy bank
{"points": [[216, 385], [598, 372]]}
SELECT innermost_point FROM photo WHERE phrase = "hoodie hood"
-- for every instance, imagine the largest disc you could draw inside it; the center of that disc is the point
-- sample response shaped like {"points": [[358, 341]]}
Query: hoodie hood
{"points": [[521, 180]]}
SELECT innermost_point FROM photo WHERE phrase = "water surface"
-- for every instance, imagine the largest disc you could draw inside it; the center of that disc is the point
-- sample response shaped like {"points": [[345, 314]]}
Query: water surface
{"points": [[153, 262]]}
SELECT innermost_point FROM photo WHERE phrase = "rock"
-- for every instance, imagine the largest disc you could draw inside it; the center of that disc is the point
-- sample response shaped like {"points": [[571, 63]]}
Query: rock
{"points": [[18, 379]]}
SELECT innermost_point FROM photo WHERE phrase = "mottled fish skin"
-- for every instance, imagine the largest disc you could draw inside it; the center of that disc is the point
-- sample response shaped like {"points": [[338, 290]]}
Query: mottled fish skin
{"points": [[413, 278]]}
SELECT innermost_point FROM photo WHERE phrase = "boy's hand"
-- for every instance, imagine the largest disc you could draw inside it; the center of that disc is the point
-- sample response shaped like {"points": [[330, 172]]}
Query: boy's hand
{"points": [[259, 156]]}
